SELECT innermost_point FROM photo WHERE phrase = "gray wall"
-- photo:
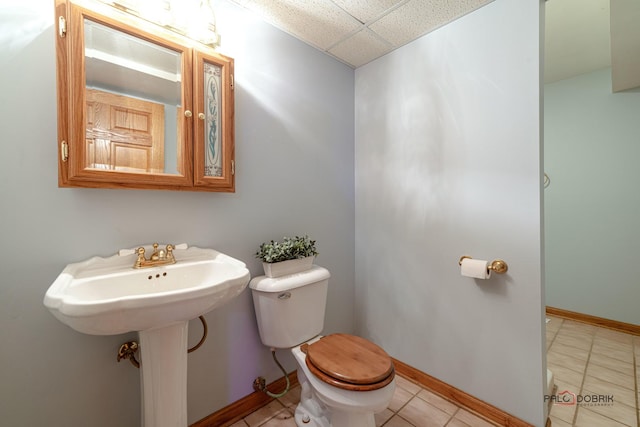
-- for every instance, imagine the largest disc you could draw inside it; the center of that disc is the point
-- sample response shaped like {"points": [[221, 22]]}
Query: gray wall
{"points": [[294, 155], [592, 204], [448, 164]]}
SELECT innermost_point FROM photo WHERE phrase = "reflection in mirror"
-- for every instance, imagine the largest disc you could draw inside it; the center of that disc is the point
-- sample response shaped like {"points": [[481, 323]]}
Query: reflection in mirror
{"points": [[133, 103]]}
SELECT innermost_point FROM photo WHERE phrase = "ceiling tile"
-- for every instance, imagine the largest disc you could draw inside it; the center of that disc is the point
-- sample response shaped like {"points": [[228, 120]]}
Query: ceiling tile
{"points": [[318, 22], [339, 27], [366, 10], [362, 47], [418, 17]]}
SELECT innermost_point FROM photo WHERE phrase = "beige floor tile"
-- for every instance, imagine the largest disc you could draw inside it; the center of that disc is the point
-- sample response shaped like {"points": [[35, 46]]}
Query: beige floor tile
{"points": [[408, 385], [397, 421], [564, 412], [619, 393], [611, 363], [578, 353], [614, 352], [383, 417], [470, 419], [609, 375], [283, 419], [616, 336], [617, 411], [457, 423], [587, 418], [613, 344], [240, 423], [265, 413], [550, 335], [578, 326], [577, 333], [567, 361], [400, 398], [557, 422], [554, 323], [437, 401], [292, 398], [566, 375], [421, 414], [582, 342]]}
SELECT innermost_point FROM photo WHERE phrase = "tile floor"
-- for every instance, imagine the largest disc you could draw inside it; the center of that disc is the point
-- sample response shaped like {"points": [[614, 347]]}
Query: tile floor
{"points": [[412, 406], [592, 361], [585, 360]]}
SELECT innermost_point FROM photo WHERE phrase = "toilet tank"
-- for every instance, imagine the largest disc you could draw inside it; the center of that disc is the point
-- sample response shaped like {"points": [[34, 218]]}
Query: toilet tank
{"points": [[290, 309]]}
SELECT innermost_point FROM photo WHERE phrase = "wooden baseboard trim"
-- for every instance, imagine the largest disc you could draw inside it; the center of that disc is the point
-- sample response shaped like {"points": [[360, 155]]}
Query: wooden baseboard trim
{"points": [[248, 404], [459, 397], [628, 328]]}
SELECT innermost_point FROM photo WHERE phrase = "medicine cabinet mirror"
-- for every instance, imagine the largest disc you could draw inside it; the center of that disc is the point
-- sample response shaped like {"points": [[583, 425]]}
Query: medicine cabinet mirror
{"points": [[140, 106]]}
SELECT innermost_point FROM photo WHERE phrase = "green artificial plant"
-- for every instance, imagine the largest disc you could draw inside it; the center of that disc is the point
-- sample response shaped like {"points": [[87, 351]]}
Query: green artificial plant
{"points": [[289, 248]]}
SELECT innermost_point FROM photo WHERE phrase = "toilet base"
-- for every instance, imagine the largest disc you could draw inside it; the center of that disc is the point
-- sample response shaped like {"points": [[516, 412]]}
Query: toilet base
{"points": [[311, 412]]}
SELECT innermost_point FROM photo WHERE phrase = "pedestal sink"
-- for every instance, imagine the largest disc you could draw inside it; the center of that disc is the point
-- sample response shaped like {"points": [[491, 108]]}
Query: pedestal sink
{"points": [[107, 296]]}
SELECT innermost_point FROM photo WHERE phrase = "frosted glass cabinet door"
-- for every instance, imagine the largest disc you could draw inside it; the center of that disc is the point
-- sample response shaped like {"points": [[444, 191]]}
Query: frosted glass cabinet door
{"points": [[214, 164]]}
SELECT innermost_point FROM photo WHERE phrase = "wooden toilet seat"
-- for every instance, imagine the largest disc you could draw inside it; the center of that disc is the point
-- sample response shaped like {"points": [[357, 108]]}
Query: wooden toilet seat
{"points": [[349, 362]]}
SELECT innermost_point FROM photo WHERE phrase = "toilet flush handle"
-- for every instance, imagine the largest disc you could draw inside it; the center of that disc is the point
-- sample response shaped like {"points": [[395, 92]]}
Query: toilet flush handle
{"points": [[284, 295]]}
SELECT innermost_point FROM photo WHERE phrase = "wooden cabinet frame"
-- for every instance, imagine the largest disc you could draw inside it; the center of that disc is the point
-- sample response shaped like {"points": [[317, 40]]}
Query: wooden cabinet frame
{"points": [[191, 152]]}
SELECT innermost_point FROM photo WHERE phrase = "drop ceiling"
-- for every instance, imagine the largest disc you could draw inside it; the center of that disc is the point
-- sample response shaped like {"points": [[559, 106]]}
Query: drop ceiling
{"points": [[359, 31]]}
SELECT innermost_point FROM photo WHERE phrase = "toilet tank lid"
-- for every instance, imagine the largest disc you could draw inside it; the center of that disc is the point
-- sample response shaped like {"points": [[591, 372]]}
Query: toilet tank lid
{"points": [[285, 283]]}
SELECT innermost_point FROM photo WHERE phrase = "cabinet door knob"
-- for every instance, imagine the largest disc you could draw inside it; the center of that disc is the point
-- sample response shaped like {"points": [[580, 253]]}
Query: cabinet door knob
{"points": [[201, 116], [188, 113]]}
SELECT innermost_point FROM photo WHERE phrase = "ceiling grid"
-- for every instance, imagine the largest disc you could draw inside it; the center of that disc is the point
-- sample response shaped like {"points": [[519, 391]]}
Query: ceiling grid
{"points": [[358, 31]]}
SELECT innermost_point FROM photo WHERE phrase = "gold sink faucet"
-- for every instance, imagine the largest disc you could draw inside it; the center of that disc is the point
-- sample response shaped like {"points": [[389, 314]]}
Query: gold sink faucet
{"points": [[158, 257]]}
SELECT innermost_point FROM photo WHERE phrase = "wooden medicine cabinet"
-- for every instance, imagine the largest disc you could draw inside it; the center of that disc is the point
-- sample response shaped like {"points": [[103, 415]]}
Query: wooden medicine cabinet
{"points": [[140, 106]]}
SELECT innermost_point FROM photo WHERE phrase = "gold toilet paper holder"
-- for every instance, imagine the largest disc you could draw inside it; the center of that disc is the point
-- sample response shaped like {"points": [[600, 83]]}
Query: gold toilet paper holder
{"points": [[497, 265]]}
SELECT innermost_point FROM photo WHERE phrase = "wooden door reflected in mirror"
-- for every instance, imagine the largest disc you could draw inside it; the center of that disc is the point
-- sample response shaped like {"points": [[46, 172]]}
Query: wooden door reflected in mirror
{"points": [[123, 133]]}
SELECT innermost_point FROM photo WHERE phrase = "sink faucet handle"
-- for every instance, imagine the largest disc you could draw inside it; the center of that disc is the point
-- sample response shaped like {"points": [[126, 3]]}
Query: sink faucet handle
{"points": [[140, 251], [141, 259], [170, 249]]}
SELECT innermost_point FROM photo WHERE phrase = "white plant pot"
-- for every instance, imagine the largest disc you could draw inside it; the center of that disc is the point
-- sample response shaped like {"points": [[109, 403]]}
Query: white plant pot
{"points": [[278, 269]]}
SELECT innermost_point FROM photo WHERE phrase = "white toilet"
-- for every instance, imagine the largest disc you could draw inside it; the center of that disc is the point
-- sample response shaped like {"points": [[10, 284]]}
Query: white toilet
{"points": [[344, 379]]}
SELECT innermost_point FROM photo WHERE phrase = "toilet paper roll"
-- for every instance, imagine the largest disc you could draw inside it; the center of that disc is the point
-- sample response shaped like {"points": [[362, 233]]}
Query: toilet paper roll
{"points": [[475, 268]]}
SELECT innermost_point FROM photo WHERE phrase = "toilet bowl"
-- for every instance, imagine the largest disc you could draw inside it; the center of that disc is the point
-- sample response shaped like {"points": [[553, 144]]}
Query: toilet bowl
{"points": [[339, 407], [344, 379]]}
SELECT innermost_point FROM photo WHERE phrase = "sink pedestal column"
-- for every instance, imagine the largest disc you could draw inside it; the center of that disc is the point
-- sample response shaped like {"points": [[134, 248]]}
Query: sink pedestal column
{"points": [[163, 375]]}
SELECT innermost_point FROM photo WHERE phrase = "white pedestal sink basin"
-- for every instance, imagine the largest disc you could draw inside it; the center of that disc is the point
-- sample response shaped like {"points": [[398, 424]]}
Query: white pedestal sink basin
{"points": [[107, 296]]}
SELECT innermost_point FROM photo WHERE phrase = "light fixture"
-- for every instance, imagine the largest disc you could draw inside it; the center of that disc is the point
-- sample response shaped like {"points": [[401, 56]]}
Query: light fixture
{"points": [[192, 18]]}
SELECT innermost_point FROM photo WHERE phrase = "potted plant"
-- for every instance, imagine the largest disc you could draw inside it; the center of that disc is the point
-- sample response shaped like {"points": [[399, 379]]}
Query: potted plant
{"points": [[292, 255]]}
